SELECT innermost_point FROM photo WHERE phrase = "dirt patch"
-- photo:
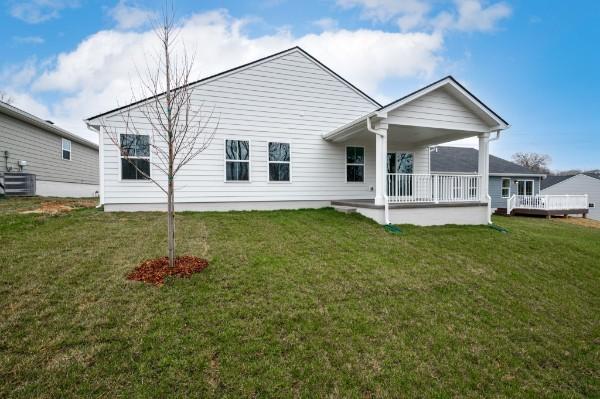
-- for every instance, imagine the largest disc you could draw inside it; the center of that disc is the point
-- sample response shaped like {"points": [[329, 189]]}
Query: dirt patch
{"points": [[154, 271], [56, 207], [580, 222]]}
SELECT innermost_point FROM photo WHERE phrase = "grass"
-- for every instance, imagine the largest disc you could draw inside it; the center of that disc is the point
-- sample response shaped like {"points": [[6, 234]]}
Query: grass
{"points": [[309, 303]]}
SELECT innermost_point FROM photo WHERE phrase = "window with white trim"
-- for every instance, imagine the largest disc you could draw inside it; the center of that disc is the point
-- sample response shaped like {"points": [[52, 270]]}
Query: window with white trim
{"points": [[592, 205], [525, 187], [279, 162], [237, 160], [66, 149], [355, 164], [135, 157], [505, 188]]}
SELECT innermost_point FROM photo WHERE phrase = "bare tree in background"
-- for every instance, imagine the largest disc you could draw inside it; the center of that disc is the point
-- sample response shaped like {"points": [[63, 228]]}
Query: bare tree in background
{"points": [[5, 98], [533, 161], [178, 130]]}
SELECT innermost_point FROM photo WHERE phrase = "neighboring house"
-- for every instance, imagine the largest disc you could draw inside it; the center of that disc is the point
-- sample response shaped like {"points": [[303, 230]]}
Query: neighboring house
{"points": [[294, 134], [506, 178], [64, 164], [582, 183]]}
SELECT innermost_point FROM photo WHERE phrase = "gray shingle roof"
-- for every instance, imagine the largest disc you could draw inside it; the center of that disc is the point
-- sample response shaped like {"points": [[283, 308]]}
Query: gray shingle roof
{"points": [[465, 160], [552, 180]]}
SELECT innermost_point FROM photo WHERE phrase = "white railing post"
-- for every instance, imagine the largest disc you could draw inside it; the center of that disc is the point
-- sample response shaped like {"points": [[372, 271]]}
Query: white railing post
{"points": [[436, 189]]}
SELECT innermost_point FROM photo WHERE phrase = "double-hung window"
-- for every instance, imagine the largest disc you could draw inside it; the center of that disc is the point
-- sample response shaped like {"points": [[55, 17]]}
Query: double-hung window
{"points": [[355, 164], [66, 149], [135, 157], [279, 162], [505, 188], [237, 160]]}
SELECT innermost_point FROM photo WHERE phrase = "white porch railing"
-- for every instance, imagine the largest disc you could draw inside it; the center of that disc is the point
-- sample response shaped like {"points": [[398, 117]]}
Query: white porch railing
{"points": [[547, 202], [407, 188]]}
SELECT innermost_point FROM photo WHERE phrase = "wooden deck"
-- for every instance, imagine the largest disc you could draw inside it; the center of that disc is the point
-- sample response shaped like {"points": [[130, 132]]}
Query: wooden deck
{"points": [[543, 212]]}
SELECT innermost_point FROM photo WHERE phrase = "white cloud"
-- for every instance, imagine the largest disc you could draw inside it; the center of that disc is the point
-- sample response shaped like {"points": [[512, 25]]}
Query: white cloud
{"points": [[128, 16], [97, 75], [37, 11], [472, 16], [464, 15], [28, 39], [326, 23]]}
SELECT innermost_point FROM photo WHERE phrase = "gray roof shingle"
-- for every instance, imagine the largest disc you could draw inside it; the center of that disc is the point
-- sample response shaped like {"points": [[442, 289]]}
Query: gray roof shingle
{"points": [[465, 160], [552, 180]]}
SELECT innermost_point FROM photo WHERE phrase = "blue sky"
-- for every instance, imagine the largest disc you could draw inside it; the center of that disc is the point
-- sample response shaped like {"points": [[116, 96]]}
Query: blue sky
{"points": [[536, 63]]}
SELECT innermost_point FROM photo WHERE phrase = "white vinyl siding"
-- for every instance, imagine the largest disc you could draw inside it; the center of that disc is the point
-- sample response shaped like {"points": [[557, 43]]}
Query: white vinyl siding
{"points": [[288, 99], [438, 109]]}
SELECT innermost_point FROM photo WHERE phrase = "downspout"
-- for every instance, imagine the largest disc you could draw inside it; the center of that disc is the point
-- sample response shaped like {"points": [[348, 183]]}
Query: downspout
{"points": [[386, 208], [489, 199]]}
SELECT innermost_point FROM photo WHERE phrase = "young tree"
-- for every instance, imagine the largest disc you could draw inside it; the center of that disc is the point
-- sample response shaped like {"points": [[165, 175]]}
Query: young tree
{"points": [[178, 130], [533, 161]]}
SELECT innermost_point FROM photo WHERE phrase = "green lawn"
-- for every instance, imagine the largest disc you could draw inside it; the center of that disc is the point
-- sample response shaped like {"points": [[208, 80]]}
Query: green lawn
{"points": [[308, 303]]}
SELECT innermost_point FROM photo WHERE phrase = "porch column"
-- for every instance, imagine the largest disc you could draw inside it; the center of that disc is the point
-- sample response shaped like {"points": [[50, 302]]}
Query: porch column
{"points": [[484, 164], [380, 164]]}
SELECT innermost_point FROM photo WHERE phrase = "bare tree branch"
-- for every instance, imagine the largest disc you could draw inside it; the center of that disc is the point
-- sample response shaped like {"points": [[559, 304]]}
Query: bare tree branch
{"points": [[178, 130]]}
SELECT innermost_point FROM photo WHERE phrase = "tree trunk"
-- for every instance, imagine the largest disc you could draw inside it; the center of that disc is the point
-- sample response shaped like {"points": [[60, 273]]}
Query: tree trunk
{"points": [[171, 223]]}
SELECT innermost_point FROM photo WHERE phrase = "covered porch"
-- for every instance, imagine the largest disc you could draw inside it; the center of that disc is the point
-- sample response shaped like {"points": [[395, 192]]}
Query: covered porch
{"points": [[405, 190]]}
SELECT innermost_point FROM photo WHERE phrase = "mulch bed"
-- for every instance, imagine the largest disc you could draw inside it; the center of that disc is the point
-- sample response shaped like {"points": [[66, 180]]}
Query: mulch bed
{"points": [[154, 271]]}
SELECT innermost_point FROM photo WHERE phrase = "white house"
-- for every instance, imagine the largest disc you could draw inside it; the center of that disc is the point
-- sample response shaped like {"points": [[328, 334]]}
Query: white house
{"points": [[294, 134], [587, 184]]}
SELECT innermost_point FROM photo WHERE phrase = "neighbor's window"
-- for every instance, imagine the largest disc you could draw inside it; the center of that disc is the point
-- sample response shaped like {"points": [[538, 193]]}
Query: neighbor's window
{"points": [[66, 149], [135, 159], [237, 160], [355, 164], [279, 162], [592, 205], [505, 188], [525, 187]]}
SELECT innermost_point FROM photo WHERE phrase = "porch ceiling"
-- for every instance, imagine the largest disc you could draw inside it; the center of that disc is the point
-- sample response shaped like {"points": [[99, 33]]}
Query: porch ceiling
{"points": [[403, 135]]}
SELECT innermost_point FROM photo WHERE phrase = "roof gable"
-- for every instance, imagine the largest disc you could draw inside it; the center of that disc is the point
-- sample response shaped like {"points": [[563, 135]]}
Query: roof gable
{"points": [[294, 50], [455, 89]]}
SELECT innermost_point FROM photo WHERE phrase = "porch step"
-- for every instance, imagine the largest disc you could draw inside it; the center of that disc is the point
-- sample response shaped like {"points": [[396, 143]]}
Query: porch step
{"points": [[344, 209]]}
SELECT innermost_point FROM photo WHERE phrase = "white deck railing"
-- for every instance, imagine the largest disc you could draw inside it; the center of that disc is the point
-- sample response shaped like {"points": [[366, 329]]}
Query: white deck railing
{"points": [[407, 187], [547, 202]]}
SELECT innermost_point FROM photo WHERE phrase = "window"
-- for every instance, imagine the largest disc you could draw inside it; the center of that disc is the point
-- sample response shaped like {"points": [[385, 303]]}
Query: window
{"points": [[279, 162], [135, 159], [355, 164], [525, 187], [66, 149], [237, 160], [592, 205], [505, 188]]}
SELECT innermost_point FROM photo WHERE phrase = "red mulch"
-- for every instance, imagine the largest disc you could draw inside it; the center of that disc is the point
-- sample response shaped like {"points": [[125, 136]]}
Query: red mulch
{"points": [[154, 271]]}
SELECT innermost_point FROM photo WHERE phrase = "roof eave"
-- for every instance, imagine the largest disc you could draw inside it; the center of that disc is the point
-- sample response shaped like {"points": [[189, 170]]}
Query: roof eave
{"points": [[35, 121]]}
